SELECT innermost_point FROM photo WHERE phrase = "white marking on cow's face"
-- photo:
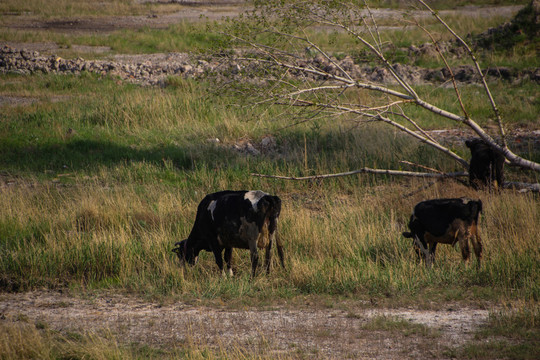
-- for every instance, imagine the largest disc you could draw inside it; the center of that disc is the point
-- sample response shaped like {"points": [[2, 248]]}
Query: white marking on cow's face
{"points": [[465, 201], [254, 196], [212, 207]]}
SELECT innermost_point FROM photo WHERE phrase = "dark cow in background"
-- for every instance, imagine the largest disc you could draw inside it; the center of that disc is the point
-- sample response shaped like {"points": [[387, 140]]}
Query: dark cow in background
{"points": [[233, 219], [486, 166], [446, 221]]}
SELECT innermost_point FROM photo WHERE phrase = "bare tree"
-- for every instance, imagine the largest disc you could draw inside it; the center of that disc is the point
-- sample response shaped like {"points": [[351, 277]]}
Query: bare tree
{"points": [[302, 74]]}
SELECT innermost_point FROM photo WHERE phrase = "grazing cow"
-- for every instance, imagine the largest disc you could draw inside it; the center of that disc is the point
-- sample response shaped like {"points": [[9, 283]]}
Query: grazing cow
{"points": [[486, 166], [446, 221], [233, 219]]}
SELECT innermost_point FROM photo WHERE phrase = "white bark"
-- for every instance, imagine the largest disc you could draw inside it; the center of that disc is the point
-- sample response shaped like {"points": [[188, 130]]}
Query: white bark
{"points": [[366, 170]]}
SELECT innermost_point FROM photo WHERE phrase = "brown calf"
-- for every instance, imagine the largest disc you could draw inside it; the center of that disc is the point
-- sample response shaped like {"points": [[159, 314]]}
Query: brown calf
{"points": [[446, 221]]}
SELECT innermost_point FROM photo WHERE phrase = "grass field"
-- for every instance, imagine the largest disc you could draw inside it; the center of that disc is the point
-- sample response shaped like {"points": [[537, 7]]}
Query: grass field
{"points": [[100, 205], [99, 178]]}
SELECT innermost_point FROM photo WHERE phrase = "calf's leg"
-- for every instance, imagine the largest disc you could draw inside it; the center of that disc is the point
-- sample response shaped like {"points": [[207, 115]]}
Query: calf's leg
{"points": [[464, 245]]}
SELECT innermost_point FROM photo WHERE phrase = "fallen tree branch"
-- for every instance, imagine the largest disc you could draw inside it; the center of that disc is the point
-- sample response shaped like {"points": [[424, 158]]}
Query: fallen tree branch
{"points": [[366, 170], [521, 186]]}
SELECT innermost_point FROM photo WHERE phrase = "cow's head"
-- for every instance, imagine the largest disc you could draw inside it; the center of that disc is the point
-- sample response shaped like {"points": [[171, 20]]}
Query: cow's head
{"points": [[185, 252], [270, 205]]}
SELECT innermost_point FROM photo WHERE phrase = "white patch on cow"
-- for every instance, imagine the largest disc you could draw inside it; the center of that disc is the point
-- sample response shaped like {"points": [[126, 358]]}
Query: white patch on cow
{"points": [[254, 196], [212, 207], [465, 201]]}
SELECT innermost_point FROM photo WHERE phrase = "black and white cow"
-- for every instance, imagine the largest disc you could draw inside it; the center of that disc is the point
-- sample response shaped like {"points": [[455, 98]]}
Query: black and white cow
{"points": [[233, 219], [446, 221], [486, 166]]}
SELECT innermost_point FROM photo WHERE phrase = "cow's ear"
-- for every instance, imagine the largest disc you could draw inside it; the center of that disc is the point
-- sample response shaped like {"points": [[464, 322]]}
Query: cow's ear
{"points": [[468, 143]]}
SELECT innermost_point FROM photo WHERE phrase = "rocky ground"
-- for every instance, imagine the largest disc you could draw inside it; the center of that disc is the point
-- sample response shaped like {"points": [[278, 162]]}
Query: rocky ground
{"points": [[153, 69]]}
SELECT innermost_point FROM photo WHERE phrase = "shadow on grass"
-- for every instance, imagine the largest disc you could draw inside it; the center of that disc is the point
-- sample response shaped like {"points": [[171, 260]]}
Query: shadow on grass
{"points": [[83, 154], [32, 154]]}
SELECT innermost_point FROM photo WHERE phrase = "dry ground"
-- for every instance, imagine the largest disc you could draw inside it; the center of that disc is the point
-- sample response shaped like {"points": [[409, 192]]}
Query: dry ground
{"points": [[340, 331]]}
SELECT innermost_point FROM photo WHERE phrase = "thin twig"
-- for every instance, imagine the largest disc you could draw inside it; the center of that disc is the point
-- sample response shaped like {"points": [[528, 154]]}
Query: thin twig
{"points": [[452, 77]]}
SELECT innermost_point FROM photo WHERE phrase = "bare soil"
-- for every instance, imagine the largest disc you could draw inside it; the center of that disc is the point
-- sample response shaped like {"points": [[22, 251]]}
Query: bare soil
{"points": [[201, 11], [304, 330], [206, 10]]}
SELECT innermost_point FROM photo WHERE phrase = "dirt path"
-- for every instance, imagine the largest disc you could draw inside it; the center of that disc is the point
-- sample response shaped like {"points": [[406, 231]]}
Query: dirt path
{"points": [[202, 11], [339, 332]]}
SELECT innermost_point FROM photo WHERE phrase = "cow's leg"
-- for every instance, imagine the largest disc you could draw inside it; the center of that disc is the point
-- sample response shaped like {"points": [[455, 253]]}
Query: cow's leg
{"points": [[228, 260], [272, 230], [268, 256], [272, 227], [477, 244], [281, 255], [254, 256], [219, 258], [432, 248]]}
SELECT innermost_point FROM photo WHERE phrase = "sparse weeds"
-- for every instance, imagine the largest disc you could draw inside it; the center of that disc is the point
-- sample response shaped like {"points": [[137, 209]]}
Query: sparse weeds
{"points": [[405, 327], [510, 333]]}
